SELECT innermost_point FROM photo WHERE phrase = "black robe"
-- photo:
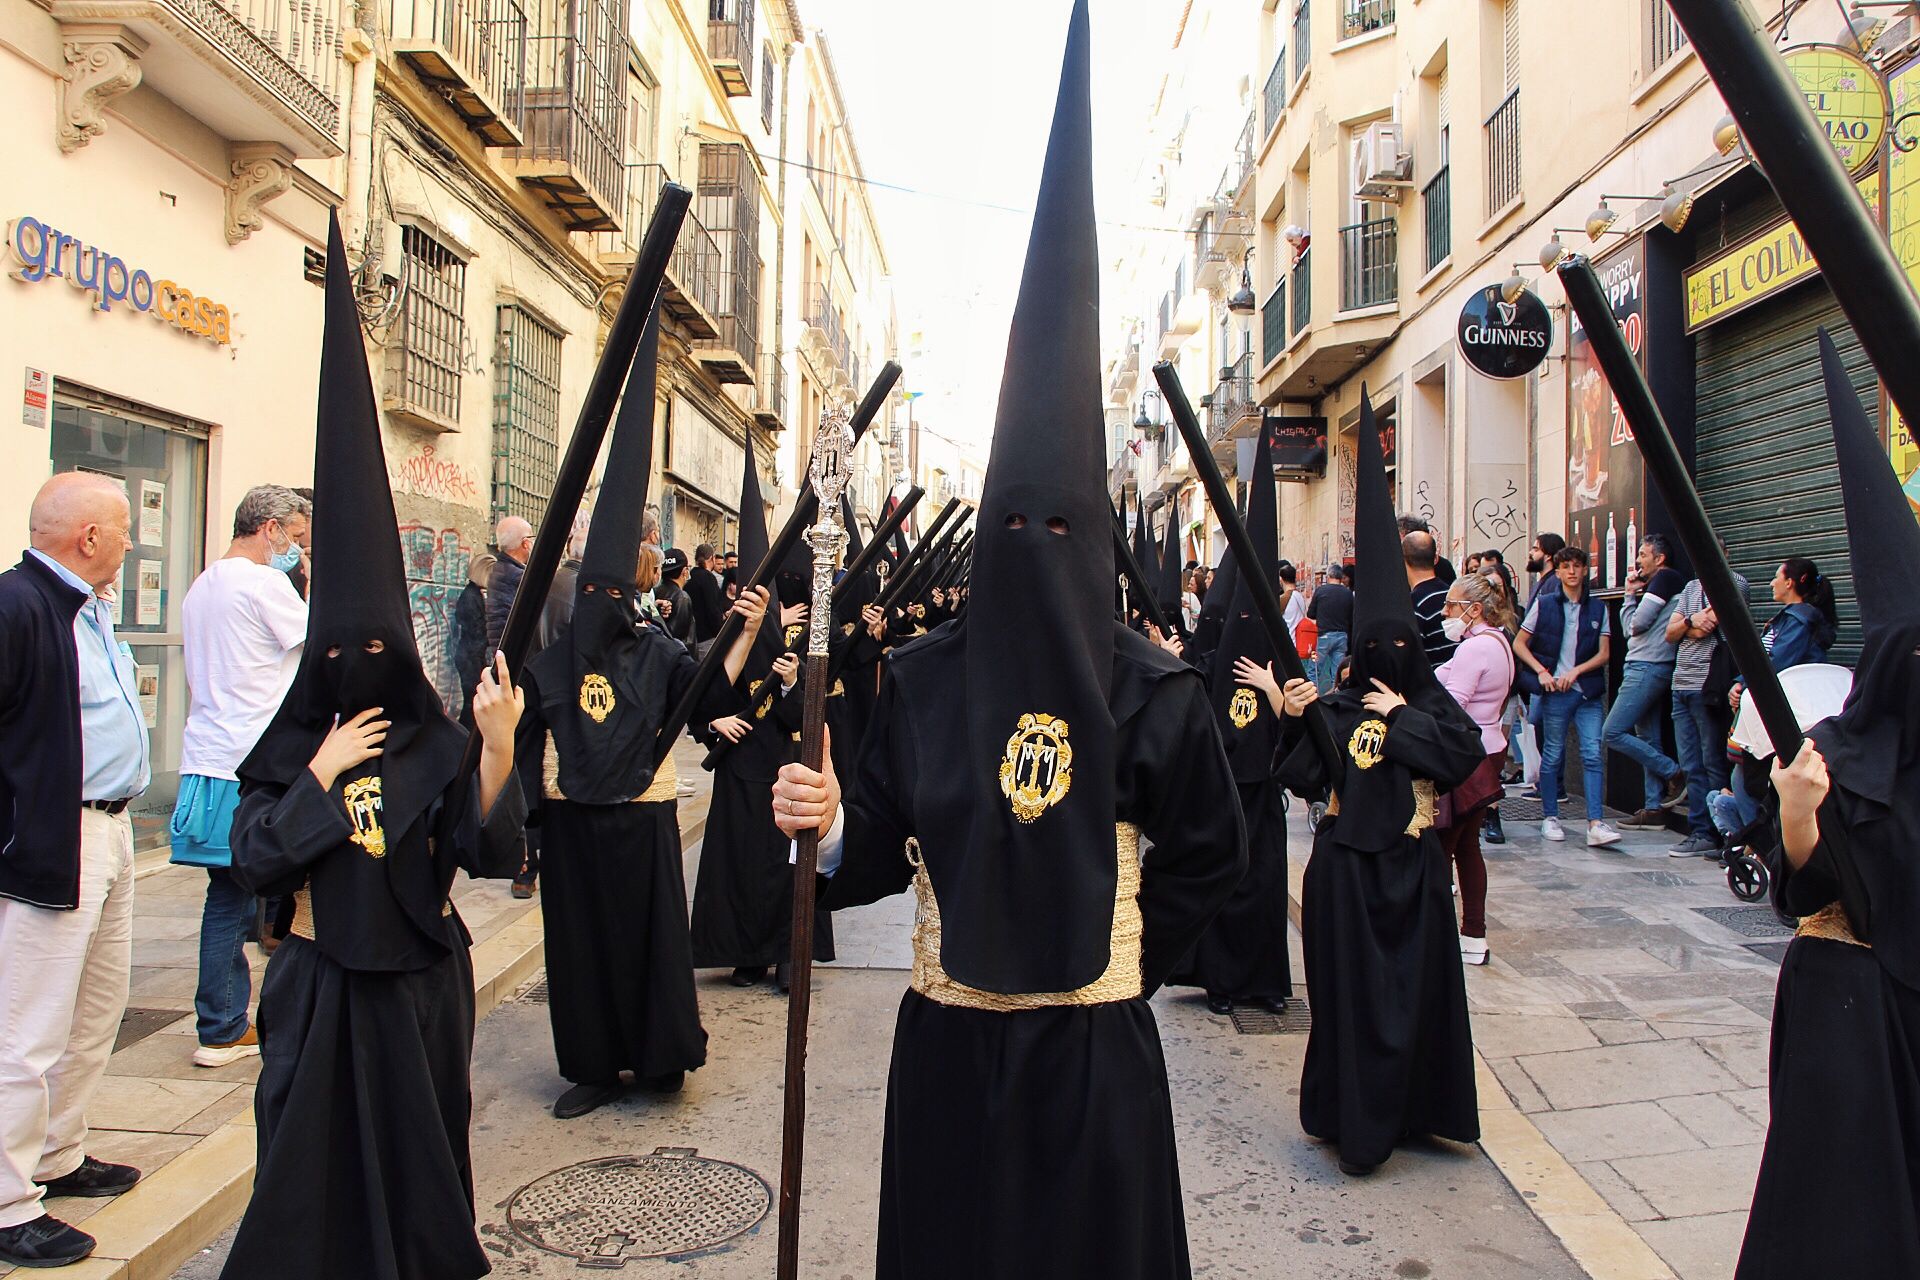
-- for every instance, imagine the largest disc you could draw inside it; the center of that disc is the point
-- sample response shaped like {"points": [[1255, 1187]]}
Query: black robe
{"points": [[365, 1091], [1041, 1142], [620, 991], [743, 897], [1839, 1186], [1391, 1053], [1243, 953]]}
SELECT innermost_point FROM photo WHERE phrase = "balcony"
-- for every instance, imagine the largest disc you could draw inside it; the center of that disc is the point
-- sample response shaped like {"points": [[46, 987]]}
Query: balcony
{"points": [[1273, 323], [730, 44], [254, 71], [1246, 158], [472, 53], [1302, 38], [1369, 264], [1436, 208], [824, 336], [770, 393], [1236, 411], [1358, 17], [1301, 312], [575, 116], [728, 202], [1503, 154], [1274, 99], [690, 294]]}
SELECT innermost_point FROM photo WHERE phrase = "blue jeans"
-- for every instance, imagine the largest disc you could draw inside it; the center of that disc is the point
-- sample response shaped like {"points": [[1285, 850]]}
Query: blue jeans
{"points": [[1551, 712], [1700, 738], [226, 984], [1733, 813], [1633, 726], [1329, 650]]}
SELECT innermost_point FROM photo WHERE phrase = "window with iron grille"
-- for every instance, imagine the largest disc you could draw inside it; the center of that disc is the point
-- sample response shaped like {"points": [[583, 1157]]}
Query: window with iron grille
{"points": [[526, 414], [766, 87], [425, 378], [729, 207]]}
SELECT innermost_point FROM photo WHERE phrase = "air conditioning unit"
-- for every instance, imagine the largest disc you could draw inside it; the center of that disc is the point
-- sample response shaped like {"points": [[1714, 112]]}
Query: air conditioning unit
{"points": [[1382, 166]]}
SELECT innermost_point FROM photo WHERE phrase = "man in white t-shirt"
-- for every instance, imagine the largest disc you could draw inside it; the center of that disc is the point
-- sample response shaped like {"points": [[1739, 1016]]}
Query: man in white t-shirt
{"points": [[245, 625]]}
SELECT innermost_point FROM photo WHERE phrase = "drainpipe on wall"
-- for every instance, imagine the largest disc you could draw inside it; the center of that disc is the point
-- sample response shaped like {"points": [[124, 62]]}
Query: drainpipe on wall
{"points": [[359, 46]]}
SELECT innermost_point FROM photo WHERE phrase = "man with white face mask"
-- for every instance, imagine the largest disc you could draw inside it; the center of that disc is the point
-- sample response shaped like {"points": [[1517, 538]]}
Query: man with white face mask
{"points": [[244, 625]]}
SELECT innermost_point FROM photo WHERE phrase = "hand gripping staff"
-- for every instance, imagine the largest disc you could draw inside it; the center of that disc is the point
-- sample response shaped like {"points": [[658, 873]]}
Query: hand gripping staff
{"points": [[1650, 434], [1265, 602], [828, 477]]}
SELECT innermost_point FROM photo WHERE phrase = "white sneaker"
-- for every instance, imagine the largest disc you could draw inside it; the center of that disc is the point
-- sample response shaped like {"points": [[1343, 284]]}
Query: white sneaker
{"points": [[1473, 950], [685, 787], [1550, 829], [220, 1055], [1600, 835]]}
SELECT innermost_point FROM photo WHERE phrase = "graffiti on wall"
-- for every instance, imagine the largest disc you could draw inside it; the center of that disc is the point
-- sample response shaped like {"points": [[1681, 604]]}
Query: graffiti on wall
{"points": [[1499, 512], [426, 473], [436, 562]]}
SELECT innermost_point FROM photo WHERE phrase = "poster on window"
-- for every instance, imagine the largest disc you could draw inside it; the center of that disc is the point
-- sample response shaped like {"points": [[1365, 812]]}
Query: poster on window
{"points": [[153, 513], [147, 683], [146, 597], [1605, 485]]}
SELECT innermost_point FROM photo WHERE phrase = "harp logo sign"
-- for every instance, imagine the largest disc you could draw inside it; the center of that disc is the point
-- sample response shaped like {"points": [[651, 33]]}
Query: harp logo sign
{"points": [[1368, 741], [362, 798], [1037, 770], [596, 697], [42, 252], [1244, 708]]}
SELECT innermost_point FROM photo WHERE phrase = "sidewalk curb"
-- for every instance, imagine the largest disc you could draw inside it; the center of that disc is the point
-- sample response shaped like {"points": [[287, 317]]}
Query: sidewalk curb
{"points": [[1601, 1242]]}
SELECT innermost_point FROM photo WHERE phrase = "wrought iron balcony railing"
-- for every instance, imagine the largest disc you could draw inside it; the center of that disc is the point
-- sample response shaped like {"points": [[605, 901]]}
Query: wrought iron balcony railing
{"points": [[730, 44], [1273, 322], [474, 53], [1503, 154], [1369, 264], [1357, 17], [1436, 207], [575, 117], [1301, 307], [690, 294]]}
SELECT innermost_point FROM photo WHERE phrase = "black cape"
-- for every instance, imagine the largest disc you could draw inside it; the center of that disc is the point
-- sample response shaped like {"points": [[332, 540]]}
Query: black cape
{"points": [[1391, 1053], [365, 1089], [1041, 1142]]}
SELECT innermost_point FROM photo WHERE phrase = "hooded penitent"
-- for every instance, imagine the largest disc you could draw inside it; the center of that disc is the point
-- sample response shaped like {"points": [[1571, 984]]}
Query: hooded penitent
{"points": [[754, 545], [1168, 577], [1022, 853], [1872, 748], [359, 602], [1213, 607], [1248, 727], [1376, 795], [603, 690], [1142, 548]]}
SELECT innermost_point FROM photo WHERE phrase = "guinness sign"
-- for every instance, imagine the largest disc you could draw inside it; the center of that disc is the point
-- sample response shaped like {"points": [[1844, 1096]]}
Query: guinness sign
{"points": [[1505, 339]]}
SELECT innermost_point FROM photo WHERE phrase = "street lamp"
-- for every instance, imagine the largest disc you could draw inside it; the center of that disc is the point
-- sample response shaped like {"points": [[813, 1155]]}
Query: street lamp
{"points": [[1243, 303], [1141, 420]]}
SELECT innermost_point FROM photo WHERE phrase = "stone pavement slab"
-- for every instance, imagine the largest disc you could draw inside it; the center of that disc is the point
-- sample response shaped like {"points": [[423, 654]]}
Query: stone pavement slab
{"points": [[1624, 1015]]}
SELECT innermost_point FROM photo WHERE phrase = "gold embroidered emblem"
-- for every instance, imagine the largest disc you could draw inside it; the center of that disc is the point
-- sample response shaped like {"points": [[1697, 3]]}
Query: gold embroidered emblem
{"points": [[846, 629], [1244, 709], [793, 634], [362, 797], [1037, 770], [753, 694], [596, 698], [1366, 746]]}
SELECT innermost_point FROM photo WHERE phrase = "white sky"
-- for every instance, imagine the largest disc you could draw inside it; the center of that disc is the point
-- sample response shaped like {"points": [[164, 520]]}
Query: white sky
{"points": [[955, 102]]}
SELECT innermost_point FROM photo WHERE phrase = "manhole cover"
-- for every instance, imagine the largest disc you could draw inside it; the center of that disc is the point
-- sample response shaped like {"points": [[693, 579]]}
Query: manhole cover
{"points": [[605, 1213], [1748, 922], [534, 992], [1296, 1021]]}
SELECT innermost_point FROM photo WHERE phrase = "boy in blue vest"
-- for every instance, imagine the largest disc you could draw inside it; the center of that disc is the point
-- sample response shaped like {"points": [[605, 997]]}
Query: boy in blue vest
{"points": [[1563, 649]]}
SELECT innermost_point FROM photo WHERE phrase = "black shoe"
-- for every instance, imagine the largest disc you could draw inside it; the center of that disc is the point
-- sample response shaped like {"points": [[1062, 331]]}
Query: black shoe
{"points": [[44, 1242], [582, 1098], [1276, 1005], [94, 1178], [746, 975], [1219, 1004], [666, 1082], [1353, 1170], [1492, 832], [782, 980], [1675, 796]]}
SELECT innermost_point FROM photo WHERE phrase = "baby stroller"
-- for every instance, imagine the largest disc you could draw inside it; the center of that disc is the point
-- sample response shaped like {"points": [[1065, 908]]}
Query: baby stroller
{"points": [[1747, 873]]}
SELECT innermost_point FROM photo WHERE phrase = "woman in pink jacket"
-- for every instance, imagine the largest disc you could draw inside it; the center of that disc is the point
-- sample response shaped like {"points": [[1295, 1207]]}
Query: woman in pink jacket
{"points": [[1479, 676]]}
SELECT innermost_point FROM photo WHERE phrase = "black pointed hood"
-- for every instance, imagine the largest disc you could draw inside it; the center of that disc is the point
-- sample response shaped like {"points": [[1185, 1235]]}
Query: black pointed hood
{"points": [[1248, 727], [1212, 622], [1170, 588], [1022, 853], [1382, 594], [603, 687], [359, 595]]}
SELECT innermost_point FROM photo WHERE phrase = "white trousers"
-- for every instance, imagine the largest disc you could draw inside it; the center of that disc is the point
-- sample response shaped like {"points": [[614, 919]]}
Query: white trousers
{"points": [[63, 989]]}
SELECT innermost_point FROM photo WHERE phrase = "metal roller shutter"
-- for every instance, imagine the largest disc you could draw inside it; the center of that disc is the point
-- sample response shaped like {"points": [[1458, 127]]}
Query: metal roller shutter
{"points": [[1764, 450]]}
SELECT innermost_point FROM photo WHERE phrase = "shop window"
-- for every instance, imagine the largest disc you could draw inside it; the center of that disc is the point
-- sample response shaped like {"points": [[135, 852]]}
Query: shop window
{"points": [[424, 376], [162, 463], [526, 425]]}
